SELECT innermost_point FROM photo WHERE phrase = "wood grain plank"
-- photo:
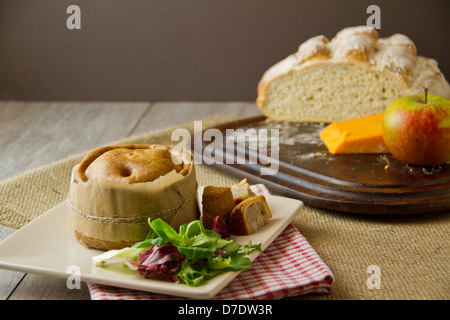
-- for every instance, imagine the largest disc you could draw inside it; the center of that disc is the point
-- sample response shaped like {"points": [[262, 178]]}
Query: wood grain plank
{"points": [[167, 114], [8, 279], [37, 133], [358, 183], [38, 287]]}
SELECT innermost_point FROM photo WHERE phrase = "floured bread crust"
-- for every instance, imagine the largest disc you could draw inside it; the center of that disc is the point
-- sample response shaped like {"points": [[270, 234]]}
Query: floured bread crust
{"points": [[354, 74]]}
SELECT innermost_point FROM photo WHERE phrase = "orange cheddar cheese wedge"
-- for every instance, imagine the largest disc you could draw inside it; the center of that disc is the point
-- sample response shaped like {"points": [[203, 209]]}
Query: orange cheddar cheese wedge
{"points": [[361, 135]]}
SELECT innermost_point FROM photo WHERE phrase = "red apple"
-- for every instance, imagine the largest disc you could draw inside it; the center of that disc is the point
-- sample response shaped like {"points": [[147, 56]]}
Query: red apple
{"points": [[416, 129]]}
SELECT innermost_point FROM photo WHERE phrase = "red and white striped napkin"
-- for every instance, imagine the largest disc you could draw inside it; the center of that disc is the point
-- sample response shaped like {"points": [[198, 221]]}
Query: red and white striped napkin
{"points": [[288, 267]]}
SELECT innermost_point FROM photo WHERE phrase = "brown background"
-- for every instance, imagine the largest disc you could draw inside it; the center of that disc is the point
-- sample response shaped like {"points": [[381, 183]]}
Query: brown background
{"points": [[182, 49]]}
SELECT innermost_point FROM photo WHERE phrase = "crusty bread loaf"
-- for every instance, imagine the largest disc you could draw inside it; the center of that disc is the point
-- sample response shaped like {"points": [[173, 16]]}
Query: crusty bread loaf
{"points": [[355, 74]]}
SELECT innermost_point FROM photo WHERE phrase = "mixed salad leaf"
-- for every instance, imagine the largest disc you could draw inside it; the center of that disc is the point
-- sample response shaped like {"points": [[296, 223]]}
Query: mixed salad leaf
{"points": [[191, 256]]}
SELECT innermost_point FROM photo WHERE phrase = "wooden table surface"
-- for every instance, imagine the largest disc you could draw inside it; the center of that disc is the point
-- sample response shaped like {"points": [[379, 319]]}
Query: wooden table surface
{"points": [[37, 133]]}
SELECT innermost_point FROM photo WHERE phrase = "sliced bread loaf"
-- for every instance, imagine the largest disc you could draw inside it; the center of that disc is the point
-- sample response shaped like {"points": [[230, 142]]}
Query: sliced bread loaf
{"points": [[355, 74]]}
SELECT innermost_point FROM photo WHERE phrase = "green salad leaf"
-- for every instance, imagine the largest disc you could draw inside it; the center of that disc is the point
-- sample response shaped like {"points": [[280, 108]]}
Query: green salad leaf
{"points": [[205, 253]]}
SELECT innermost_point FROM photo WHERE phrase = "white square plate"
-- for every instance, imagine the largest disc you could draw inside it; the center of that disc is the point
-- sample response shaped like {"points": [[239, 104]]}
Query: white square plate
{"points": [[46, 246]]}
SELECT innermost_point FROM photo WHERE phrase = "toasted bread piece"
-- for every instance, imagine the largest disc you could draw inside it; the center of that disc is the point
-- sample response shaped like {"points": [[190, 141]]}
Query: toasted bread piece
{"points": [[216, 201], [241, 191], [249, 215]]}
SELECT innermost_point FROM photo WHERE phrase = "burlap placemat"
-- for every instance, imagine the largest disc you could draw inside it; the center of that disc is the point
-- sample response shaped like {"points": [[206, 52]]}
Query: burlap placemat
{"points": [[372, 257]]}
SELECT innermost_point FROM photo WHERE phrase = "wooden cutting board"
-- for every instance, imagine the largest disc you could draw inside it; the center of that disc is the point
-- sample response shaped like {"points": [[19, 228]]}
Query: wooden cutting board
{"points": [[357, 183]]}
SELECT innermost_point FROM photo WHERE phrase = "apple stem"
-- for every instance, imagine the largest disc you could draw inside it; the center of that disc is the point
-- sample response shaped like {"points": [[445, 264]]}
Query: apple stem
{"points": [[426, 94]]}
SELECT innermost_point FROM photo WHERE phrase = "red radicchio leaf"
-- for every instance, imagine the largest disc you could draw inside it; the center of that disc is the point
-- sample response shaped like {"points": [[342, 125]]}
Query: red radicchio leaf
{"points": [[163, 260], [220, 227]]}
